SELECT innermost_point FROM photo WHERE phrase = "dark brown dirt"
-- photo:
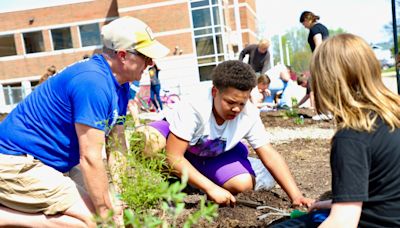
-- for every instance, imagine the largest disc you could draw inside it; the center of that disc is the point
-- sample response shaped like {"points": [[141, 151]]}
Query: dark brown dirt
{"points": [[308, 160], [280, 119]]}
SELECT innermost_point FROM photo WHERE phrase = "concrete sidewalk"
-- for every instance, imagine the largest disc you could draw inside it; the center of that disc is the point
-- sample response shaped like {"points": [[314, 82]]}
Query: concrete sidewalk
{"points": [[390, 81]]}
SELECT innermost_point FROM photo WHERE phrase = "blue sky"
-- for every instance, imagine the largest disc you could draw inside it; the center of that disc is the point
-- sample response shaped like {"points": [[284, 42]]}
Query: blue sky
{"points": [[365, 18]]}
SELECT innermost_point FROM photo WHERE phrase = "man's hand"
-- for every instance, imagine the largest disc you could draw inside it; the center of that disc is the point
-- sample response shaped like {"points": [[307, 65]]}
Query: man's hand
{"points": [[117, 215], [221, 196]]}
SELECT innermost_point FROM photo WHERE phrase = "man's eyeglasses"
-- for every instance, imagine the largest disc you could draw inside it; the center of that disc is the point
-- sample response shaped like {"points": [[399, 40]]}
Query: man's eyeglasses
{"points": [[148, 60]]}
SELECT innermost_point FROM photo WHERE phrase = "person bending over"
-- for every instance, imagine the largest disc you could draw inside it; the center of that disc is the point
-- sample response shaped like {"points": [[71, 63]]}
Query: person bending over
{"points": [[202, 136], [65, 122]]}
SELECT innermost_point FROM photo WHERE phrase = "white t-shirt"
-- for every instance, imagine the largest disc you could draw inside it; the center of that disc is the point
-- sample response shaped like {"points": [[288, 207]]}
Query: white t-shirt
{"points": [[256, 96], [274, 75], [193, 121]]}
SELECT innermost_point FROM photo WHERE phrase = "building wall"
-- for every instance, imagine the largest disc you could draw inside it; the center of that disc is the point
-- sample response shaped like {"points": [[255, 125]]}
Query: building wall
{"points": [[247, 20], [44, 19], [170, 21]]}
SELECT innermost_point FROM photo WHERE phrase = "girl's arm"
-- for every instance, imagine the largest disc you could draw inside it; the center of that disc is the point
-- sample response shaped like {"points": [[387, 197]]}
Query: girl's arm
{"points": [[343, 215], [317, 39]]}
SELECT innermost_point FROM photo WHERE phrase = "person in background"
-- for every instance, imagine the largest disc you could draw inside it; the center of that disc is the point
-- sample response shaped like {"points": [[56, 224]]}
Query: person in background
{"points": [[305, 81], [281, 87], [133, 109], [46, 136], [155, 87], [51, 70], [318, 32], [202, 136], [365, 150], [259, 93], [259, 56], [292, 73]]}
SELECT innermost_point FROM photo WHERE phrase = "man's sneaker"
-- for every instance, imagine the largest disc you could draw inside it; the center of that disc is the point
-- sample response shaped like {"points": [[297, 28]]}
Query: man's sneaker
{"points": [[322, 116]]}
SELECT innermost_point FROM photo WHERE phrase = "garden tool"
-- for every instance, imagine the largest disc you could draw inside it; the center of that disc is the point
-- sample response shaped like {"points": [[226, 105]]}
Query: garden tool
{"points": [[259, 206], [279, 212]]}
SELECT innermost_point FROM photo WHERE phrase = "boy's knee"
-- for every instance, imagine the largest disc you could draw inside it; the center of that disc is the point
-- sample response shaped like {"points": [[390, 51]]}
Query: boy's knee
{"points": [[240, 183], [154, 141]]}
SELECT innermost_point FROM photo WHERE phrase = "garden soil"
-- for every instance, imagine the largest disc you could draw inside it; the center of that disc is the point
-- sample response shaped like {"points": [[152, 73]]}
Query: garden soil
{"points": [[308, 160]]}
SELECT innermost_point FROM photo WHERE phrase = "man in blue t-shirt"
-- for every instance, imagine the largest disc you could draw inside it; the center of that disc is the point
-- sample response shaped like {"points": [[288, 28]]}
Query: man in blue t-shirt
{"points": [[65, 122]]}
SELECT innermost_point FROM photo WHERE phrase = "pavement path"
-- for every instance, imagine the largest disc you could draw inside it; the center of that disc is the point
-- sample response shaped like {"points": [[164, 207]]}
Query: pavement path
{"points": [[281, 135]]}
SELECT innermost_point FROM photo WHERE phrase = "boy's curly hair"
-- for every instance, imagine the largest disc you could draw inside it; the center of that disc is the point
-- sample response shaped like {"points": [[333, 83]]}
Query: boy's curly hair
{"points": [[235, 74]]}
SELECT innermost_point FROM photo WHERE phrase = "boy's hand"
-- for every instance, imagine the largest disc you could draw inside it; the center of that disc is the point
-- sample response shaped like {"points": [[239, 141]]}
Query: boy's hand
{"points": [[303, 201], [221, 196]]}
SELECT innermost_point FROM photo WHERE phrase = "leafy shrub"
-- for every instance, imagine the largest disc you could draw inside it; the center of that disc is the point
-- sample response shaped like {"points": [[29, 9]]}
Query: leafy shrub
{"points": [[151, 200]]}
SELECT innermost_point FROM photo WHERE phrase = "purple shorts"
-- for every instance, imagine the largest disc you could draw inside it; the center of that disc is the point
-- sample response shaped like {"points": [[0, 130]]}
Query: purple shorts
{"points": [[218, 169]]}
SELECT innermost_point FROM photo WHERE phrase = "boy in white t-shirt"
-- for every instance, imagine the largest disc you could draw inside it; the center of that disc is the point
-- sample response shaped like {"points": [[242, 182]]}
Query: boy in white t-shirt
{"points": [[203, 136]]}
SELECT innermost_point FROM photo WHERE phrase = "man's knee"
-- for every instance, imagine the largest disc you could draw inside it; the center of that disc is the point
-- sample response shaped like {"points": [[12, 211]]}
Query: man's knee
{"points": [[154, 141]]}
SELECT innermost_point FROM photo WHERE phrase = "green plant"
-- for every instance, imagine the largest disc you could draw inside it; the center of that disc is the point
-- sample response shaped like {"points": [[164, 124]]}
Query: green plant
{"points": [[299, 120], [151, 200], [145, 181], [292, 112], [209, 212], [172, 205], [294, 102]]}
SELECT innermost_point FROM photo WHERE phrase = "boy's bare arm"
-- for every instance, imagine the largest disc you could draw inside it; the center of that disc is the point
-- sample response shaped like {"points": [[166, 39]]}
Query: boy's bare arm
{"points": [[277, 166], [175, 149]]}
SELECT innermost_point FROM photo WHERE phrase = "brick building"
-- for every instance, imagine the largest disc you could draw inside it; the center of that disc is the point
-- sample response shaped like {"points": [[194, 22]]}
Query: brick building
{"points": [[199, 33]]}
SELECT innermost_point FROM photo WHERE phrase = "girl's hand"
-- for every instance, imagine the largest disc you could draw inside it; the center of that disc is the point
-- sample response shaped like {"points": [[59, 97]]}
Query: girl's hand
{"points": [[320, 205]]}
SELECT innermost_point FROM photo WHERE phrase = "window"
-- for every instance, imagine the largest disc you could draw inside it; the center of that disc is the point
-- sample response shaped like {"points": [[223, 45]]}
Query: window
{"points": [[90, 34], [12, 93], [198, 3], [61, 38], [205, 72], [205, 46], [216, 15], [201, 18], [199, 32], [34, 84], [7, 45], [33, 42], [208, 24]]}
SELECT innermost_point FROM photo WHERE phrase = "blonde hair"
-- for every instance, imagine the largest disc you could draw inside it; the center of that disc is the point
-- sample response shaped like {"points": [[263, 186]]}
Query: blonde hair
{"points": [[51, 70], [264, 43], [347, 82]]}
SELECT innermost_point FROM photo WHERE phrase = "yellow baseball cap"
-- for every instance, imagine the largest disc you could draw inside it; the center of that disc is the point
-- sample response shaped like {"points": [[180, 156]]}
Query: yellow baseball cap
{"points": [[129, 33]]}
